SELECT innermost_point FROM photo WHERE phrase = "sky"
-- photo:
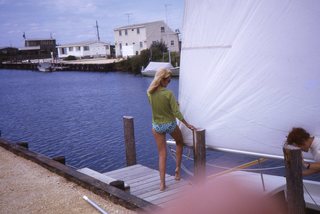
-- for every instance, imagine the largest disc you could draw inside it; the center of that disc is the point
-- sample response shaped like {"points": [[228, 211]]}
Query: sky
{"points": [[70, 21]]}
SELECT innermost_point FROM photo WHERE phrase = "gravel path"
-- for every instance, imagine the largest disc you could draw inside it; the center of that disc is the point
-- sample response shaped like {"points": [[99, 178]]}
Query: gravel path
{"points": [[26, 187]]}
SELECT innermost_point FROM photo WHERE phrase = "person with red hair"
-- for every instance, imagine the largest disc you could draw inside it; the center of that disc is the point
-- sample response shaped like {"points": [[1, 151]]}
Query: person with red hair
{"points": [[301, 138]]}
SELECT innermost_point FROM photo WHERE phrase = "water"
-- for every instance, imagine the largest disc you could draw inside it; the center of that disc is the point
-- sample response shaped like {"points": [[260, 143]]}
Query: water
{"points": [[79, 115]]}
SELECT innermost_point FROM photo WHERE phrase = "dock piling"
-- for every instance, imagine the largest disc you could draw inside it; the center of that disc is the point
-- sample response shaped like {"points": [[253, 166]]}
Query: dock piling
{"points": [[129, 140], [23, 144], [60, 159], [293, 164], [199, 154]]}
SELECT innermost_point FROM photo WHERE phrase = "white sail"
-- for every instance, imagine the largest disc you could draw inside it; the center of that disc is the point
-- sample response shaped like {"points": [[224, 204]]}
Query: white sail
{"points": [[250, 71]]}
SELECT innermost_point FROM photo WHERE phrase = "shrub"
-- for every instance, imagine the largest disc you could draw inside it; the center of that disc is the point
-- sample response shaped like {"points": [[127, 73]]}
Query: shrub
{"points": [[70, 57]]}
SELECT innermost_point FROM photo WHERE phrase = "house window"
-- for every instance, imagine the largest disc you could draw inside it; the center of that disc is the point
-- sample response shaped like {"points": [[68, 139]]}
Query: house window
{"points": [[132, 29], [126, 32], [126, 44], [70, 48], [120, 33], [162, 29], [172, 43], [120, 46], [138, 30], [141, 45], [86, 48], [78, 48], [107, 47], [63, 50]]}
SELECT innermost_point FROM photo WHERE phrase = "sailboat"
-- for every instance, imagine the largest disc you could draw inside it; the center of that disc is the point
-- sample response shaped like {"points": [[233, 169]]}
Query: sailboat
{"points": [[153, 67], [250, 71]]}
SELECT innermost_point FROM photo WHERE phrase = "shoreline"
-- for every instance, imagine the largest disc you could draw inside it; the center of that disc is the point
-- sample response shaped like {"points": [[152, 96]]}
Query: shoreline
{"points": [[89, 65]]}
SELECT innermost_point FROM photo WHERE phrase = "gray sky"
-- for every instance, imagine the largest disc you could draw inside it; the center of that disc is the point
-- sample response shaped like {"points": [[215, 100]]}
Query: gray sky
{"points": [[74, 20]]}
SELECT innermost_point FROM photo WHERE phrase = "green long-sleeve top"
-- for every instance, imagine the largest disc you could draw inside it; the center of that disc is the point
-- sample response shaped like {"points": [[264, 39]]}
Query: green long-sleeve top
{"points": [[164, 106]]}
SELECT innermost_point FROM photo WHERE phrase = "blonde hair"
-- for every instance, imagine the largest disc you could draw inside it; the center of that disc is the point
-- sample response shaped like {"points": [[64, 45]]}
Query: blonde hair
{"points": [[156, 82]]}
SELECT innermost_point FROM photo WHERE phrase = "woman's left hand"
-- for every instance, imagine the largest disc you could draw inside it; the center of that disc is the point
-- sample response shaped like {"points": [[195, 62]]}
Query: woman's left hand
{"points": [[191, 127]]}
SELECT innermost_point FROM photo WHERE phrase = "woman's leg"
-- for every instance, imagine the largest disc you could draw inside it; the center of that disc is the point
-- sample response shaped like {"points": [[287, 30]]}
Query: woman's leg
{"points": [[162, 150], [177, 136]]}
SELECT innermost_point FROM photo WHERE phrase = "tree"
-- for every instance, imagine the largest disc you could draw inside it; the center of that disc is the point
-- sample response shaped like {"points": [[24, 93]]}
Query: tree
{"points": [[157, 49]]}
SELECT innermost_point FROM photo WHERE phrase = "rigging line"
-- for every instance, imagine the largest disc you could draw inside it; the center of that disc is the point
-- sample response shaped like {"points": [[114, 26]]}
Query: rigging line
{"points": [[208, 47], [253, 170], [305, 188], [262, 179], [183, 167], [238, 168], [228, 168]]}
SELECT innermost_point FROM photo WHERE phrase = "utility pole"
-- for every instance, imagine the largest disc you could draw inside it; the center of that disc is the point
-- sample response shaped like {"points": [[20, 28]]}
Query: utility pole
{"points": [[97, 31]]}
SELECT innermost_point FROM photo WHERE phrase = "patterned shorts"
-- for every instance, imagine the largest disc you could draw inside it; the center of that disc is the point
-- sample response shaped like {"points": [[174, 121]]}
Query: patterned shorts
{"points": [[165, 127]]}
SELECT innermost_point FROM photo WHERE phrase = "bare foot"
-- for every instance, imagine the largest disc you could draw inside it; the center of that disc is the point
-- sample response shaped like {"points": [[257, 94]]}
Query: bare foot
{"points": [[177, 176], [162, 187]]}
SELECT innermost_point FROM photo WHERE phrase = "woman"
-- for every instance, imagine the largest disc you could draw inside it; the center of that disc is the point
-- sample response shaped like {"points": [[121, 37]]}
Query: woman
{"points": [[165, 110], [302, 139]]}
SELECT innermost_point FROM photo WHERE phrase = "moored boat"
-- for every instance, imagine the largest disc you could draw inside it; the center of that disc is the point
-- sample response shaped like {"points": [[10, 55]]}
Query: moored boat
{"points": [[152, 68], [45, 67]]}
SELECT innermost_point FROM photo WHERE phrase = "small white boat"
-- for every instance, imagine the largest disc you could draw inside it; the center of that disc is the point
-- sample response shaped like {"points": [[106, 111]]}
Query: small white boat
{"points": [[45, 67], [152, 68]]}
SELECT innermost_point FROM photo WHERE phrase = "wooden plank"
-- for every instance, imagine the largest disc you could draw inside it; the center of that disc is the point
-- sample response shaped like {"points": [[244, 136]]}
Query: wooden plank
{"points": [[127, 171], [170, 197], [171, 188], [123, 169], [143, 178], [149, 180], [151, 183], [151, 188], [100, 177], [134, 174]]}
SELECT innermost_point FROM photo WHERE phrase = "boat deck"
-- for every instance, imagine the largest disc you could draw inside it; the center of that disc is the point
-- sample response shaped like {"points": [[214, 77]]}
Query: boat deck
{"points": [[144, 183]]}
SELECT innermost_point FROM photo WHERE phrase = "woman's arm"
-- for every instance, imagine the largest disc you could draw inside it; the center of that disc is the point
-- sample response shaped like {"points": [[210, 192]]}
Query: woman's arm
{"points": [[311, 168], [187, 124], [176, 111]]}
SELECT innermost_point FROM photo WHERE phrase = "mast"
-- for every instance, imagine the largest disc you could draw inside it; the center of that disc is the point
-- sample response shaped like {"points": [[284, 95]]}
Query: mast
{"points": [[97, 31]]}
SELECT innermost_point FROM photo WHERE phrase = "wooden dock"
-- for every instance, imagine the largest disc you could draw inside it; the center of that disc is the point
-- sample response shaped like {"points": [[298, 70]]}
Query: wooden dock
{"points": [[144, 183]]}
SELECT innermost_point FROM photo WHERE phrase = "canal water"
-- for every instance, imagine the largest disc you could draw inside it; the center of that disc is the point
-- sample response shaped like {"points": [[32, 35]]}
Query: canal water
{"points": [[79, 115]]}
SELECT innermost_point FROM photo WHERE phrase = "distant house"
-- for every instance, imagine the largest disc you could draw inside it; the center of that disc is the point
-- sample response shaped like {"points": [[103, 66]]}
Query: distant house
{"points": [[38, 49], [84, 49], [132, 39], [8, 53]]}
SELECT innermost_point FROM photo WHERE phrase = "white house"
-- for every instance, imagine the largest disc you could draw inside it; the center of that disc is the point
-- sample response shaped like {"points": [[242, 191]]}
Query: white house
{"points": [[84, 49], [132, 39]]}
